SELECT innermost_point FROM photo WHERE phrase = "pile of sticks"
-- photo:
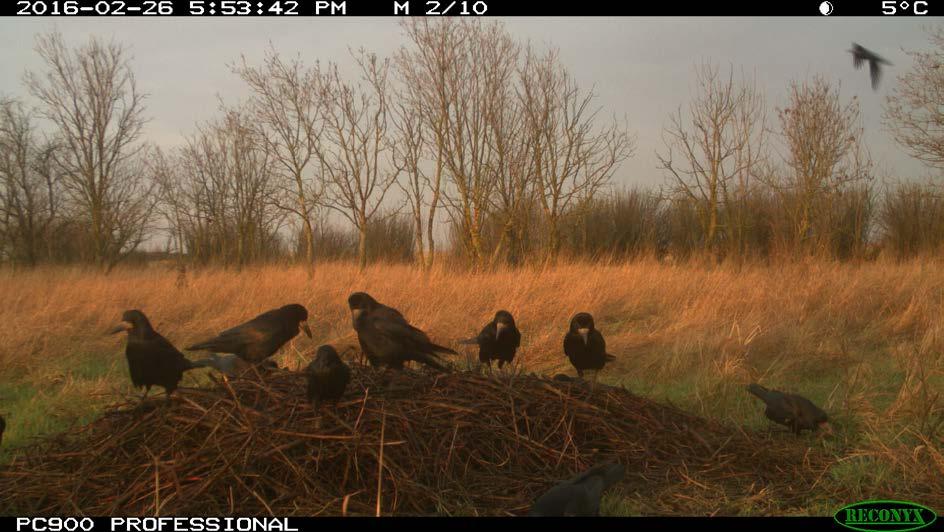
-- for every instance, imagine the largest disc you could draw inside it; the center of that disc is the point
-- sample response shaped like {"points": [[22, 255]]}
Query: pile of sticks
{"points": [[405, 443]]}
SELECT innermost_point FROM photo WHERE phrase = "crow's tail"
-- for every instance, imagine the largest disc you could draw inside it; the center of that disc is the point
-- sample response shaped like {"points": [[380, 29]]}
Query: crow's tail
{"points": [[430, 360], [441, 349]]}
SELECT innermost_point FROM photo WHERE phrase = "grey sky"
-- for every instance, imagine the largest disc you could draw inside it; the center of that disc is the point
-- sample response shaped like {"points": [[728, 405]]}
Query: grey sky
{"points": [[641, 67]]}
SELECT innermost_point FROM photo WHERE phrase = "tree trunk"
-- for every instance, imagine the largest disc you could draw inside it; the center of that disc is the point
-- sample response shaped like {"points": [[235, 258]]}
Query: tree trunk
{"points": [[362, 247], [309, 235]]}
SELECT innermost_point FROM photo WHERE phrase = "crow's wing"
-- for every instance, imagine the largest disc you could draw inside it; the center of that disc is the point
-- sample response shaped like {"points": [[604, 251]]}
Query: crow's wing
{"points": [[232, 340], [875, 71]]}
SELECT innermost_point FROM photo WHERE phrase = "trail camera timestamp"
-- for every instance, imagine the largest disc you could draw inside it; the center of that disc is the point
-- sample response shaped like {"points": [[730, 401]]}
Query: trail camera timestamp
{"points": [[246, 7]]}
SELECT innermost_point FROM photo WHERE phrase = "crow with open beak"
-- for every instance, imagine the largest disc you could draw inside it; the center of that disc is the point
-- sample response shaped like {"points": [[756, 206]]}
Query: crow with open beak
{"points": [[387, 339], [791, 410], [584, 345], [260, 337], [499, 340], [152, 359]]}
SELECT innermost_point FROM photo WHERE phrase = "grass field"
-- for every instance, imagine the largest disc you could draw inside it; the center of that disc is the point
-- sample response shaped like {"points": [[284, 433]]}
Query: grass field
{"points": [[866, 342]]}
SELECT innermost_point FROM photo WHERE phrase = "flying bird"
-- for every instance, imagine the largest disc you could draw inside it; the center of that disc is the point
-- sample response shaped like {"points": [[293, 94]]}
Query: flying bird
{"points": [[387, 339], [579, 496], [328, 376], [498, 340], [260, 337], [584, 345], [152, 359], [791, 410], [860, 55]]}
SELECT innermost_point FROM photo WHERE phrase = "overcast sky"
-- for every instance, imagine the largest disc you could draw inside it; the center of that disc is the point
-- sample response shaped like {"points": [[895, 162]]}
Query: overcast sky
{"points": [[641, 67]]}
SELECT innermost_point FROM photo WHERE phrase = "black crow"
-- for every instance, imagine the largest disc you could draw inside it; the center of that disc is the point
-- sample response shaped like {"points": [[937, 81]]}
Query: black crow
{"points": [[328, 376], [584, 345], [860, 55], [791, 410], [3, 427], [387, 339], [260, 337], [499, 340], [579, 496], [152, 359]]}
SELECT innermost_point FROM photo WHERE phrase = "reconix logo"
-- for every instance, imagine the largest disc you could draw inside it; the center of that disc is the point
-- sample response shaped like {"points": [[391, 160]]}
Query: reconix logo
{"points": [[886, 516]]}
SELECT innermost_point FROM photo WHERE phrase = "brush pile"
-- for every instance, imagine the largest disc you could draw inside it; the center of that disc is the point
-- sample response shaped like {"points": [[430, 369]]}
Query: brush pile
{"points": [[409, 443]]}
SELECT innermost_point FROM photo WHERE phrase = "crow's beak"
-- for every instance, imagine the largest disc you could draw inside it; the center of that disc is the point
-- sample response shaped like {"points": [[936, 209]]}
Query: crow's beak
{"points": [[123, 326], [356, 313], [306, 329], [584, 333], [499, 328]]}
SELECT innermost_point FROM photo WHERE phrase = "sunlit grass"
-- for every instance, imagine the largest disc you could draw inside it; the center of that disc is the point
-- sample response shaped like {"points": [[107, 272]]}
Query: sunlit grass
{"points": [[864, 341]]}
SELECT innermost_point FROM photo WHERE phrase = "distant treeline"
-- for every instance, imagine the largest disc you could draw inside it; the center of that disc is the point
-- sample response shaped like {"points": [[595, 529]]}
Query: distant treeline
{"points": [[464, 125]]}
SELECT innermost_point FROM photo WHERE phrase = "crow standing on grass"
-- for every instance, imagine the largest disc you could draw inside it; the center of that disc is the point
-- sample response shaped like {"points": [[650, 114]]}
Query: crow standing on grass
{"points": [[260, 337], [584, 345], [387, 339], [791, 410], [860, 55], [152, 359], [328, 376], [499, 340], [579, 496]]}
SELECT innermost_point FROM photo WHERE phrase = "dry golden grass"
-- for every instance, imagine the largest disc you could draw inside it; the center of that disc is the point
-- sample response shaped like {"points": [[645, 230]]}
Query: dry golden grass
{"points": [[865, 341]]}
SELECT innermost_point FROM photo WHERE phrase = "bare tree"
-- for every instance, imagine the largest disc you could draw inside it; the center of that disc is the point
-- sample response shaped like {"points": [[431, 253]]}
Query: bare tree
{"points": [[424, 70], [29, 194], [225, 205], [409, 148], [356, 158], [824, 156], [458, 69], [90, 95], [513, 166], [286, 108], [713, 151], [914, 111], [164, 169], [573, 157]]}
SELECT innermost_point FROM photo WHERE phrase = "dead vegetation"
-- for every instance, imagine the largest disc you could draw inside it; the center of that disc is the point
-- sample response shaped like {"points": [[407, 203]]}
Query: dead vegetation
{"points": [[456, 444]]}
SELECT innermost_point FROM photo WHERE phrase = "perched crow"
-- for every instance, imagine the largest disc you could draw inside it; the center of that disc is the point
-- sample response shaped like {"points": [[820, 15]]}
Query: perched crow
{"points": [[387, 339], [378, 310], [328, 376], [579, 496], [260, 337], [230, 364], [791, 410], [3, 427], [584, 345], [152, 360], [498, 340], [860, 54]]}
